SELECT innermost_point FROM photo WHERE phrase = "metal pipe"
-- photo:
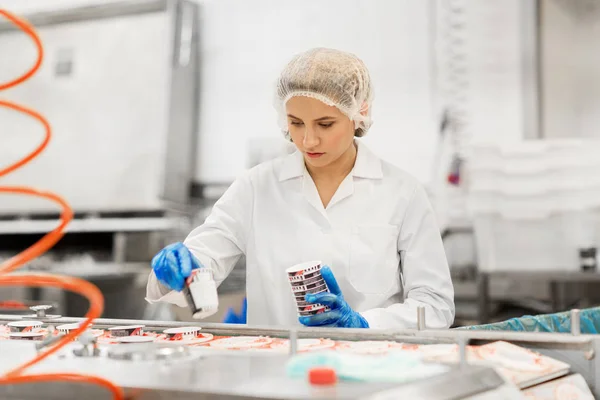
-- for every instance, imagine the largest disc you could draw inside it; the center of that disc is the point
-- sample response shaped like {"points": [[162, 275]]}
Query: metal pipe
{"points": [[119, 247], [462, 351], [575, 322], [543, 339], [293, 341], [421, 318]]}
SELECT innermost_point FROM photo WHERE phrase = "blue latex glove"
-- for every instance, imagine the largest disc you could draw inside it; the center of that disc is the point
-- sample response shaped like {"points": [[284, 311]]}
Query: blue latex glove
{"points": [[173, 264], [341, 314], [232, 318]]}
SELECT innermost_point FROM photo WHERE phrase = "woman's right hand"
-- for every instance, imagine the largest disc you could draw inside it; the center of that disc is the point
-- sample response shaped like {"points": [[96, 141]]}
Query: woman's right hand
{"points": [[173, 264]]}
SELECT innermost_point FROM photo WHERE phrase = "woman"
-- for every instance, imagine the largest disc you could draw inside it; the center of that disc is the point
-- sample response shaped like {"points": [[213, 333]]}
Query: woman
{"points": [[332, 200]]}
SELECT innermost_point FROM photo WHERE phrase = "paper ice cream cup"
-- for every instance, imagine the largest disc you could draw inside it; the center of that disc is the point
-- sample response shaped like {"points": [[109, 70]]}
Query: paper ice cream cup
{"points": [[24, 326], [317, 279], [182, 333], [300, 295], [311, 286], [306, 269], [306, 278], [129, 330], [67, 328], [312, 310]]}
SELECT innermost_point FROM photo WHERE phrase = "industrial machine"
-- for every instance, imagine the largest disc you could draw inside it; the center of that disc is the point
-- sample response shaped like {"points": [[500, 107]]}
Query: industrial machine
{"points": [[124, 142], [149, 363], [161, 369]]}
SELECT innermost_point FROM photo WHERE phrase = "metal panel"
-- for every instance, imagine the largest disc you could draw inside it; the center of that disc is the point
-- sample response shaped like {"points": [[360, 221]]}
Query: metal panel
{"points": [[214, 373], [570, 61], [92, 12], [530, 63], [204, 373], [244, 376], [105, 87], [181, 141]]}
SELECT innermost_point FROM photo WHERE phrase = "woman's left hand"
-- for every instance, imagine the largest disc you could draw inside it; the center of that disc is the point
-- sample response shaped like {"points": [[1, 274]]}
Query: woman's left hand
{"points": [[341, 314]]}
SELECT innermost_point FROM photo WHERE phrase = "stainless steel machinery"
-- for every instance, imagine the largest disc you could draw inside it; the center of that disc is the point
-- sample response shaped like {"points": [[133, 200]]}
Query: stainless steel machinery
{"points": [[153, 371]]}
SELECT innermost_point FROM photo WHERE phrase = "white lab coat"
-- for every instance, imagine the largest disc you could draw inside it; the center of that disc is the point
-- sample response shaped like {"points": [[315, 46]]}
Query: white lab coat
{"points": [[378, 234]]}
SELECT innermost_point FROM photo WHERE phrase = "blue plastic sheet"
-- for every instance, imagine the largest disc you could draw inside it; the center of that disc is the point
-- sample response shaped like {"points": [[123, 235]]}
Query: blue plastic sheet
{"points": [[559, 322]]}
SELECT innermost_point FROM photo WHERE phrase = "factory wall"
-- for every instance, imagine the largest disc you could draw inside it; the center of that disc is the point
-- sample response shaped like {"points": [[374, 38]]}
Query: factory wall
{"points": [[404, 43], [247, 43], [570, 54]]}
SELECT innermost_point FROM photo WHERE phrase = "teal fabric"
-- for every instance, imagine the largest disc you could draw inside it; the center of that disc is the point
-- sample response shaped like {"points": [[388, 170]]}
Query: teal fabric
{"points": [[559, 322]]}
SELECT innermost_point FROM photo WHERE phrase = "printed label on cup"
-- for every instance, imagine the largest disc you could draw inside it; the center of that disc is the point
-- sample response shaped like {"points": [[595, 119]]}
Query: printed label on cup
{"points": [[306, 270], [302, 288], [313, 312], [307, 278], [300, 278], [312, 286], [305, 303], [301, 296], [316, 279], [310, 306]]}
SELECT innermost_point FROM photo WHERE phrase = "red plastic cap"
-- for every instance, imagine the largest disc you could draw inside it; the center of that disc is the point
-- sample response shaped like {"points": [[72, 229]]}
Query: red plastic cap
{"points": [[322, 376]]}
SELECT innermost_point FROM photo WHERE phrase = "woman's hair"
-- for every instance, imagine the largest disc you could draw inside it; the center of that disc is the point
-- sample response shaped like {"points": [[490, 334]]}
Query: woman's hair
{"points": [[334, 77]]}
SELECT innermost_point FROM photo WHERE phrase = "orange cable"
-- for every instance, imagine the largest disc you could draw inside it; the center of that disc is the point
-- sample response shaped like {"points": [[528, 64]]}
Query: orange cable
{"points": [[37, 150], [86, 289], [30, 31], [72, 284], [46, 242]]}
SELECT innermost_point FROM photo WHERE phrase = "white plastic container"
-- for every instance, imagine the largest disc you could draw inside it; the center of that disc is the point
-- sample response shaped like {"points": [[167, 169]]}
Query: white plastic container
{"points": [[534, 204], [200, 292]]}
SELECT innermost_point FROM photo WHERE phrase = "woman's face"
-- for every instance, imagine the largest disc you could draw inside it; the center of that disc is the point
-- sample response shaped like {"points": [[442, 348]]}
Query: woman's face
{"points": [[321, 132]]}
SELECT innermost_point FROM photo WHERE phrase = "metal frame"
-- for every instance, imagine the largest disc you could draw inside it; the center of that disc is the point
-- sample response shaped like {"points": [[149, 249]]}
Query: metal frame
{"points": [[84, 13], [184, 78], [531, 76], [578, 350], [184, 104], [534, 339]]}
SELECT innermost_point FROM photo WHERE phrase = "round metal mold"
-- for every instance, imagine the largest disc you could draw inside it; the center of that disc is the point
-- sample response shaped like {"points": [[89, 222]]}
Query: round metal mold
{"points": [[40, 312]]}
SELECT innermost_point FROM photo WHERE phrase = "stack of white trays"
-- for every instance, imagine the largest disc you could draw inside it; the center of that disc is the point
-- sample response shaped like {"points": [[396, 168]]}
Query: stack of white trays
{"points": [[534, 204]]}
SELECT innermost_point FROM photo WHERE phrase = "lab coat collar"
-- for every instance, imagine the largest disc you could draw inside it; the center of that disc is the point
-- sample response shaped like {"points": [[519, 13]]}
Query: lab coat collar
{"points": [[292, 166], [367, 165]]}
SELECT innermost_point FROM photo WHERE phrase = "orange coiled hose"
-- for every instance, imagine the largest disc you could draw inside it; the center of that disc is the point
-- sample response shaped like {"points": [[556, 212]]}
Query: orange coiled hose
{"points": [[84, 288]]}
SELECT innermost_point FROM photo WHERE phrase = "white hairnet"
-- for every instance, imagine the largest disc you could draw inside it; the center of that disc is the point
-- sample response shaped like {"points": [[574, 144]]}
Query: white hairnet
{"points": [[334, 77]]}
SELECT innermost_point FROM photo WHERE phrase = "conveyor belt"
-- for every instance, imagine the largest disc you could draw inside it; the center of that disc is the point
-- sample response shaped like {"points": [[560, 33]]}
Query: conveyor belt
{"points": [[257, 374]]}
